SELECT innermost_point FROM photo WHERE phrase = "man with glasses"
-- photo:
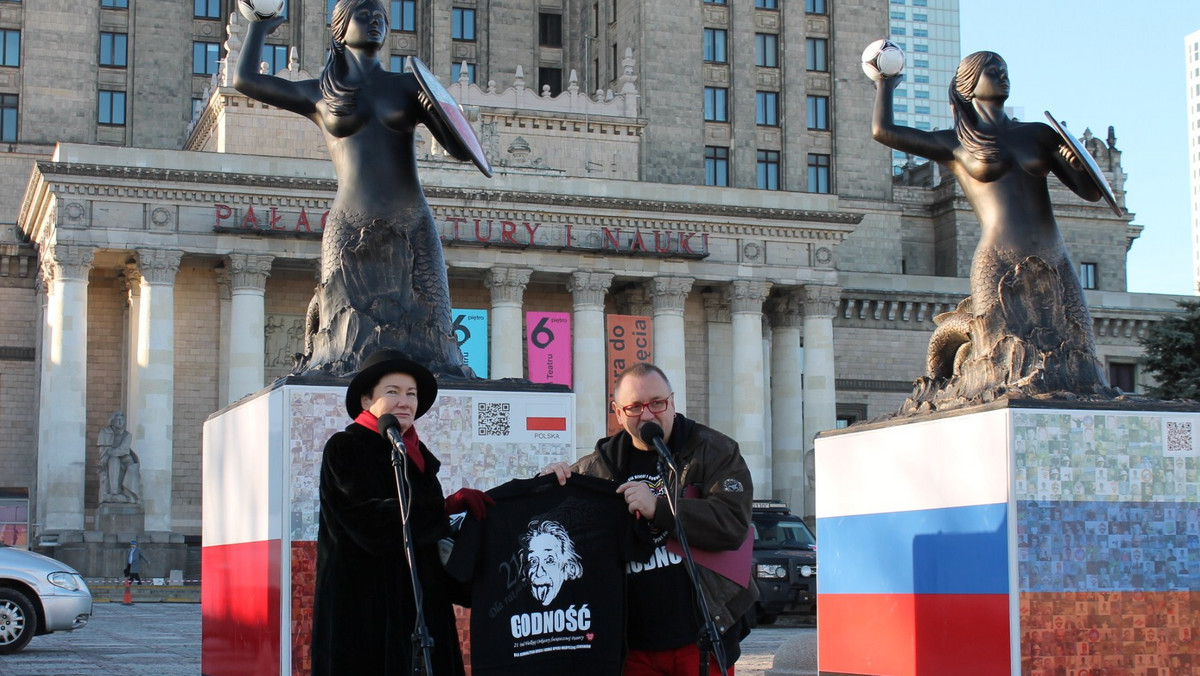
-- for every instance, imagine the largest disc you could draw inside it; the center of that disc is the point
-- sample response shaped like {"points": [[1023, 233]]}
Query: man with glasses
{"points": [[715, 511]]}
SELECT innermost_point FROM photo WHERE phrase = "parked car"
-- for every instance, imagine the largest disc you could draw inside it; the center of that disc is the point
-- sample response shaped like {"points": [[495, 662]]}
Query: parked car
{"points": [[785, 562], [38, 595]]}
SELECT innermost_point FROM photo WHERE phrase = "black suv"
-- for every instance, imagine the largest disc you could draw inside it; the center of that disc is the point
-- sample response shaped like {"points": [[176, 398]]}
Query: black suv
{"points": [[785, 562]]}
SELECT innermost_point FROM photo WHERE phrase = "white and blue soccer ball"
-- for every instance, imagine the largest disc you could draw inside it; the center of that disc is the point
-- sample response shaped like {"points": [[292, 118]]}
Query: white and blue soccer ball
{"points": [[259, 10], [882, 58]]}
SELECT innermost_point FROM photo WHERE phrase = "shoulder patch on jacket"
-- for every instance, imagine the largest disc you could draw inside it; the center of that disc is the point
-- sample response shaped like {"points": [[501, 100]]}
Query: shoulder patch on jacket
{"points": [[732, 486]]}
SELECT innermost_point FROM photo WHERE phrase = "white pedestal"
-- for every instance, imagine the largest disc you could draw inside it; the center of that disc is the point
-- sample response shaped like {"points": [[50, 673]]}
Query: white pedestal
{"points": [[262, 459], [1011, 540]]}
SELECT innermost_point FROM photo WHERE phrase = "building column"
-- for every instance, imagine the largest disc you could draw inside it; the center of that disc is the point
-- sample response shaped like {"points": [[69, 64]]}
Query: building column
{"points": [[668, 295], [133, 287], [749, 430], [62, 409], [508, 294], [155, 403], [247, 321], [820, 397], [787, 399], [224, 335], [587, 336], [720, 361]]}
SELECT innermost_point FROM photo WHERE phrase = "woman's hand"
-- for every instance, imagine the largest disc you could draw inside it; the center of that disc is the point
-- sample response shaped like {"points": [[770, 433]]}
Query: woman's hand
{"points": [[472, 501], [560, 469]]}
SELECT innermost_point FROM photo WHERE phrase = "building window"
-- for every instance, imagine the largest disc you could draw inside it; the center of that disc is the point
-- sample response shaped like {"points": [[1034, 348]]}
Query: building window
{"points": [[899, 30], [207, 9], [404, 15], [766, 50], [456, 72], [113, 49], [921, 110], [8, 118], [714, 45], [1123, 376], [818, 54], [766, 4], [551, 77], [818, 173], [900, 108], [716, 165], [115, 4], [920, 32], [815, 7], [329, 4], [921, 48], [715, 2], [614, 11], [922, 125], [899, 16], [818, 112], [921, 94], [596, 20], [396, 63], [112, 108], [920, 63], [549, 30], [921, 79], [766, 109], [276, 57], [613, 61], [204, 57], [10, 49], [1087, 275], [716, 104], [768, 170], [462, 26], [920, 17]]}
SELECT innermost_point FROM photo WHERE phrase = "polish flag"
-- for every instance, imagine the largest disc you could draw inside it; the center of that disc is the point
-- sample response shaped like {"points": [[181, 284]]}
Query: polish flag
{"points": [[545, 418]]}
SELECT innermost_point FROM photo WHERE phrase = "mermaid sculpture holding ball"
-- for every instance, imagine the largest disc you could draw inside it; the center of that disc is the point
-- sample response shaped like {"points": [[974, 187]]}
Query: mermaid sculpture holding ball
{"points": [[383, 277], [1025, 330]]}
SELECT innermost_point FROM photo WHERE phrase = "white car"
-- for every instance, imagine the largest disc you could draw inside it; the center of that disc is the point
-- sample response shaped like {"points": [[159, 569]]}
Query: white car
{"points": [[38, 595]]}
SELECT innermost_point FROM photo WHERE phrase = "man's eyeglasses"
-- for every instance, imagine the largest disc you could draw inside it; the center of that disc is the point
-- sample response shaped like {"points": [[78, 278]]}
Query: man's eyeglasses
{"points": [[655, 406]]}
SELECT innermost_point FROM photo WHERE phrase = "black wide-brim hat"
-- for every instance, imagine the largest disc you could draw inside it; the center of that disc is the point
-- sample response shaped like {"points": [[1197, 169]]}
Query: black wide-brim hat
{"points": [[378, 365]]}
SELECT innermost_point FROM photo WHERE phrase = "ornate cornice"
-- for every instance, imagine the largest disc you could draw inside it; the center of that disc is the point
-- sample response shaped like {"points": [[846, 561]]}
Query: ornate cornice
{"points": [[507, 284], [158, 266], [821, 300], [249, 271], [747, 296], [668, 294], [588, 289]]}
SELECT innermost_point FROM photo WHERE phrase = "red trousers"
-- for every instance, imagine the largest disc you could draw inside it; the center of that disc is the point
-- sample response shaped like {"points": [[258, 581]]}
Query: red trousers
{"points": [[683, 661]]}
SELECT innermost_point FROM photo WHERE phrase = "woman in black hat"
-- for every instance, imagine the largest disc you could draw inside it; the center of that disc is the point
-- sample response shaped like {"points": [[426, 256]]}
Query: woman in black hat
{"points": [[363, 613]]}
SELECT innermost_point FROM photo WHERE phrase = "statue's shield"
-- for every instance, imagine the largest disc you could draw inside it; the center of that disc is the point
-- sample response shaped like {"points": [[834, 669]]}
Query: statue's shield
{"points": [[1089, 163], [443, 105]]}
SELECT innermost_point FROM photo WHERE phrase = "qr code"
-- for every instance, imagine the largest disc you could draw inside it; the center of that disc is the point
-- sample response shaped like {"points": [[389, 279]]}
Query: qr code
{"points": [[1179, 436], [494, 420]]}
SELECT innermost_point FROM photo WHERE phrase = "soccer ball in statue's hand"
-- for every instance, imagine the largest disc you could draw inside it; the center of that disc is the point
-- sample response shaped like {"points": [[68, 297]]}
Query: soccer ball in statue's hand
{"points": [[258, 10], [881, 59]]}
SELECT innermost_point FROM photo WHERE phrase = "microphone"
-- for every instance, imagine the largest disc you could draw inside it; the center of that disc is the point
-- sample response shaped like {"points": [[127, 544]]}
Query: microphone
{"points": [[652, 435], [389, 428]]}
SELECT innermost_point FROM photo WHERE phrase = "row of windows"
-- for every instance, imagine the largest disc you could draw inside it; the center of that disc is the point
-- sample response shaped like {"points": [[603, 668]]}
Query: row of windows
{"points": [[716, 108], [716, 169], [810, 6], [766, 49]]}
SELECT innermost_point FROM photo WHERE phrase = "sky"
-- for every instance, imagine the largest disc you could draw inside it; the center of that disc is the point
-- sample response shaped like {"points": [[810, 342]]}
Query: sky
{"points": [[1102, 63]]}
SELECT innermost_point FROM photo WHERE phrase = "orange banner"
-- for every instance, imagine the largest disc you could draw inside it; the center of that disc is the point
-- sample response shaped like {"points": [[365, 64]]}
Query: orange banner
{"points": [[630, 340]]}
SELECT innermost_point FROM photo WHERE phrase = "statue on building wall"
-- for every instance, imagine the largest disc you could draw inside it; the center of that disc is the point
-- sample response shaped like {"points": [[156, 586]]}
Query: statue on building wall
{"points": [[383, 276], [119, 469], [1025, 330]]}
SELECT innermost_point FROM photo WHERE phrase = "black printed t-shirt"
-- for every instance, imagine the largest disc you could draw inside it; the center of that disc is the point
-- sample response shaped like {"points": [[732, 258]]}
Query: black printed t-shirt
{"points": [[548, 577], [661, 595]]}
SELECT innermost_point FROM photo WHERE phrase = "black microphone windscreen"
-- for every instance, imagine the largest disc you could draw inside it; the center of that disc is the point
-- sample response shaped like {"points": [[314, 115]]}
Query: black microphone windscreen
{"points": [[386, 422], [651, 431]]}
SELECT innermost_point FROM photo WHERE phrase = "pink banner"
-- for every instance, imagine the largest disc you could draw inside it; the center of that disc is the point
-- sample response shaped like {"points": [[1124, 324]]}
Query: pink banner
{"points": [[548, 342]]}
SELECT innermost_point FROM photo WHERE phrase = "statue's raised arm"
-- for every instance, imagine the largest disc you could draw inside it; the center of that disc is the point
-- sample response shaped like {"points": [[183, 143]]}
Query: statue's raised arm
{"points": [[383, 277], [1025, 330]]}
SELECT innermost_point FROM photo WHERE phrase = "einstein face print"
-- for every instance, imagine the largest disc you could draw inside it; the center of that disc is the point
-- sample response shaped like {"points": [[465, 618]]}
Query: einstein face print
{"points": [[548, 559]]}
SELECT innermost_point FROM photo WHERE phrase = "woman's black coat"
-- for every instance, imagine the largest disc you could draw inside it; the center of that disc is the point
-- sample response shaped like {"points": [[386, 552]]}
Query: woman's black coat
{"points": [[363, 613]]}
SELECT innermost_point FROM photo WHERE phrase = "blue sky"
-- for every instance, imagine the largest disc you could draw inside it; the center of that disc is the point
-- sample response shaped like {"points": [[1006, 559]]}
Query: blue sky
{"points": [[1101, 63]]}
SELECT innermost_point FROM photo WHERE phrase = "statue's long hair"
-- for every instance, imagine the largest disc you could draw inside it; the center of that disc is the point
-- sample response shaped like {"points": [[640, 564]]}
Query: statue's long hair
{"points": [[341, 98], [980, 144]]}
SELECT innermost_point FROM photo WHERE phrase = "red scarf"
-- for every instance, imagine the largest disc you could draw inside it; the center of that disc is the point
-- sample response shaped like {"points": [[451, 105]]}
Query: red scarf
{"points": [[412, 444]]}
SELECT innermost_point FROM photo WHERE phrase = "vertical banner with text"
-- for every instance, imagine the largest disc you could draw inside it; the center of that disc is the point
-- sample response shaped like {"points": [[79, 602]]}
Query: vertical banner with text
{"points": [[548, 343], [629, 340], [471, 332]]}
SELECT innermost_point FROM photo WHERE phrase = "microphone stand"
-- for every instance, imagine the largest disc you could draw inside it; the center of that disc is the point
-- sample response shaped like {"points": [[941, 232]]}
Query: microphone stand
{"points": [[708, 643], [422, 641]]}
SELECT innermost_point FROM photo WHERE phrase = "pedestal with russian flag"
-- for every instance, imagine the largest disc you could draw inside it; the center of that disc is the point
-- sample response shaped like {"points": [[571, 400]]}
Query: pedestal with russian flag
{"points": [[1011, 539], [261, 473]]}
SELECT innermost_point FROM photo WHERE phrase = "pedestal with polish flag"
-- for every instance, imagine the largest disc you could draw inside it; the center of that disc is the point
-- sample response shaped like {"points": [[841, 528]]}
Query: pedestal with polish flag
{"points": [[261, 473], [1015, 538]]}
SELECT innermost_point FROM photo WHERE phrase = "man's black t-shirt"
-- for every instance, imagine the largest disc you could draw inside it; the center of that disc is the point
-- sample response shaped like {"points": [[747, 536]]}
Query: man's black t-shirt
{"points": [[548, 570]]}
